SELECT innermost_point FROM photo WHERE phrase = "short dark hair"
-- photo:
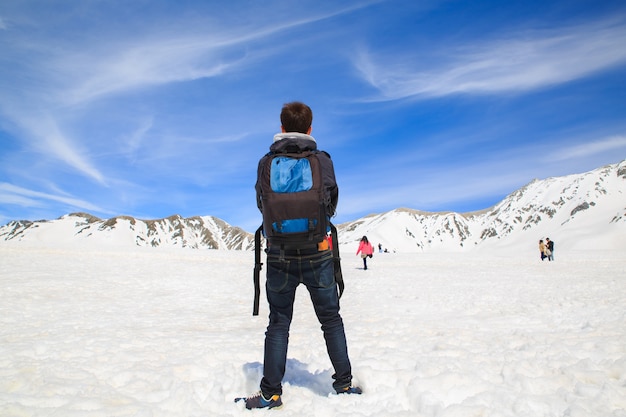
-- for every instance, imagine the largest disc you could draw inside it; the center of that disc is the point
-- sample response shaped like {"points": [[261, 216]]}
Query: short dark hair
{"points": [[296, 117]]}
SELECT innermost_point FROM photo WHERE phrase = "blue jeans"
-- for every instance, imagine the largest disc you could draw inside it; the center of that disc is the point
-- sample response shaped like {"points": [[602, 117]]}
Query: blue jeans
{"points": [[316, 271]]}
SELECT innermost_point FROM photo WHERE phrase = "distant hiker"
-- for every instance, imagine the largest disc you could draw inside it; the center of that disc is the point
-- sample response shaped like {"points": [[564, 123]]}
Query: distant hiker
{"points": [[366, 250], [550, 249], [542, 249], [380, 248], [309, 261]]}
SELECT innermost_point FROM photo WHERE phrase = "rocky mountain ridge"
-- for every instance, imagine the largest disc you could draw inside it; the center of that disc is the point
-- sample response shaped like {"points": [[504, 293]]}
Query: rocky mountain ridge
{"points": [[200, 232], [586, 210], [581, 209]]}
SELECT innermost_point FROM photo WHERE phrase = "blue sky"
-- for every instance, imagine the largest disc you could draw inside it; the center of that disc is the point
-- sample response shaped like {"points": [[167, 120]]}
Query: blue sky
{"points": [[153, 108]]}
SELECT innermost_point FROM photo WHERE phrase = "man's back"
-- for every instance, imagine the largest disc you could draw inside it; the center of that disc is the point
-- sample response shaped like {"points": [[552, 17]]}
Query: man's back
{"points": [[281, 198]]}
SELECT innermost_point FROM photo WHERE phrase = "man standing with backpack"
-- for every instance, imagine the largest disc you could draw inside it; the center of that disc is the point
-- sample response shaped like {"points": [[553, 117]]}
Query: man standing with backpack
{"points": [[297, 194]]}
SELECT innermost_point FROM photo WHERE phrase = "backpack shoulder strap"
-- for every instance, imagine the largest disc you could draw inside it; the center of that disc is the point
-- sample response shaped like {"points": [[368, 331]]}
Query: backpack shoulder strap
{"points": [[257, 270], [337, 259]]}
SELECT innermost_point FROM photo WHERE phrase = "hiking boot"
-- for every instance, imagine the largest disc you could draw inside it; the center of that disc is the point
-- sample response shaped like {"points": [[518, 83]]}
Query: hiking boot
{"points": [[350, 390], [260, 401]]}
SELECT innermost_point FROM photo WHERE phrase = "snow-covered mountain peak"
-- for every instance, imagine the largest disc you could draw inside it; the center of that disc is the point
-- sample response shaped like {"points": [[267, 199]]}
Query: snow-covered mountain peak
{"points": [[200, 232], [581, 211]]}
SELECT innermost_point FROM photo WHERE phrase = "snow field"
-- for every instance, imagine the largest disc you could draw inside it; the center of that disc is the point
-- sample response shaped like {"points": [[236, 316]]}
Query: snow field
{"points": [[149, 332]]}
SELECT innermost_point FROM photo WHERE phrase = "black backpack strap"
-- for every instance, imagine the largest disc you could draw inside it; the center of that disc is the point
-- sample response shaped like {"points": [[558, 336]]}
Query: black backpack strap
{"points": [[257, 270], [258, 265], [337, 259]]}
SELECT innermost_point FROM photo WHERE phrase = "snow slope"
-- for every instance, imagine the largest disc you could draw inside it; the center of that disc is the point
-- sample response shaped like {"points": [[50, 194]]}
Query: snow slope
{"points": [[154, 332]]}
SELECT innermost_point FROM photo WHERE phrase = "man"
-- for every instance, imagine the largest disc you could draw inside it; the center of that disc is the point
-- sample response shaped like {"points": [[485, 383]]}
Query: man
{"points": [[550, 246], [290, 265]]}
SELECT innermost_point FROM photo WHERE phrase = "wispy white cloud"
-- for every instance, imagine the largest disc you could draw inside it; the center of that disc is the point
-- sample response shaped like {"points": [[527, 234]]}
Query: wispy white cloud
{"points": [[612, 143], [58, 77], [409, 180], [166, 56], [519, 62], [137, 137], [12, 194], [47, 138], [151, 63], [435, 189]]}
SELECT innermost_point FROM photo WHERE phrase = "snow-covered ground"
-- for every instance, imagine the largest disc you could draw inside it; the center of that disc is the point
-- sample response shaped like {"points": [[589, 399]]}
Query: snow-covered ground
{"points": [[154, 332]]}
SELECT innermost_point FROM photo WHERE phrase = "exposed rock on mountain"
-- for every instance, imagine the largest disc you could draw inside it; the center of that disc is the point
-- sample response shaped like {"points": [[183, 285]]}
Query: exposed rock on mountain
{"points": [[201, 232], [580, 211]]}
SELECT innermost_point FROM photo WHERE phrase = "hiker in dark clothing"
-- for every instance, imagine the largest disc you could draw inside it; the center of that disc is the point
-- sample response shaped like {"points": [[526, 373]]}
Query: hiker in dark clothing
{"points": [[550, 249], [289, 265]]}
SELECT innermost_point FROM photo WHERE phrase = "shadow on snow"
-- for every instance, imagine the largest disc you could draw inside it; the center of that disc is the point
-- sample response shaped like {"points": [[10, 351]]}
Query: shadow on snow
{"points": [[296, 374]]}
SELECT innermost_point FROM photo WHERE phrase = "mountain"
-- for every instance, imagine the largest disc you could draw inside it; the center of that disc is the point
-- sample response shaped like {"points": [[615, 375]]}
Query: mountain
{"points": [[583, 212], [202, 232], [579, 212]]}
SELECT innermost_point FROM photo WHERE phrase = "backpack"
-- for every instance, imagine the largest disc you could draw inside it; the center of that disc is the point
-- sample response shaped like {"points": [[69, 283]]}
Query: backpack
{"points": [[293, 200], [293, 203]]}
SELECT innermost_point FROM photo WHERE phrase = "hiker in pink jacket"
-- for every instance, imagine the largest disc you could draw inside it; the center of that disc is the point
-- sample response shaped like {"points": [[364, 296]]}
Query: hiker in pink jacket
{"points": [[366, 250]]}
